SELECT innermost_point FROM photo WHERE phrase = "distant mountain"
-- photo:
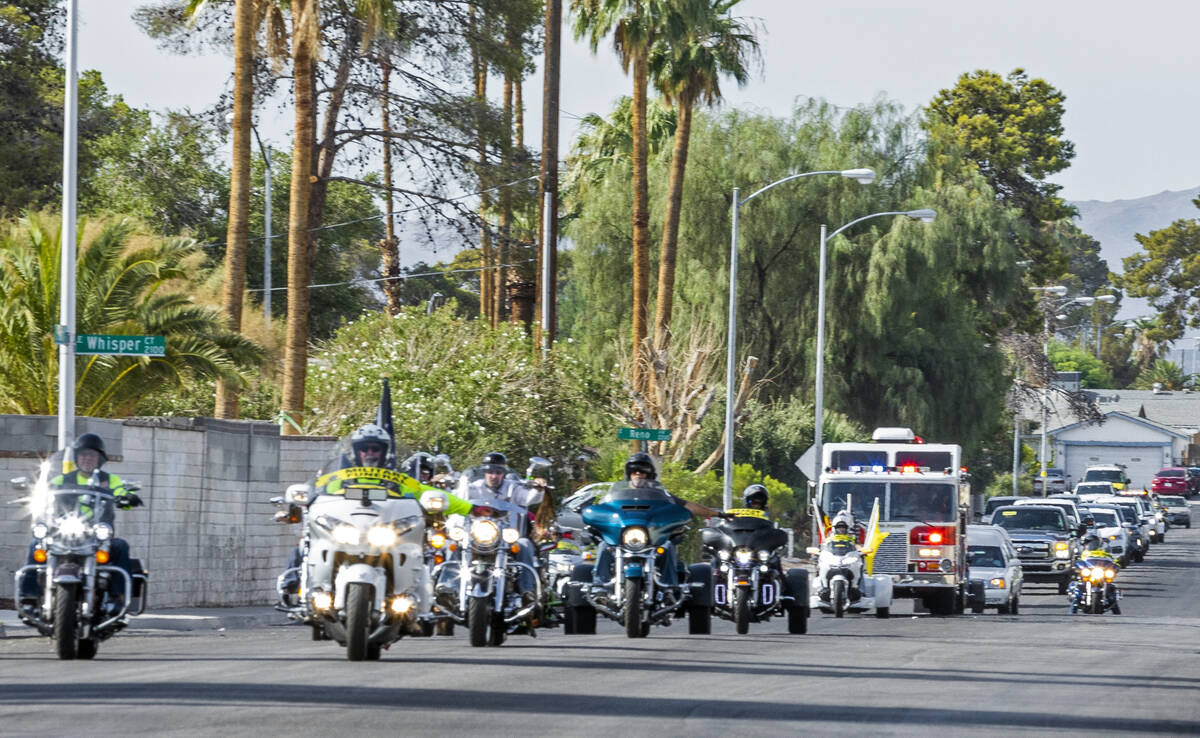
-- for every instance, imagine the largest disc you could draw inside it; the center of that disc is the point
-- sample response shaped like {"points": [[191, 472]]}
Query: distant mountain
{"points": [[1114, 224]]}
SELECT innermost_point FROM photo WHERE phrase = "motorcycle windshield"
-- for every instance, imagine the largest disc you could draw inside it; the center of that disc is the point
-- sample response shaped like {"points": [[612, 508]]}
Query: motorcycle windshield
{"points": [[647, 490], [344, 470], [841, 548], [756, 533], [646, 505]]}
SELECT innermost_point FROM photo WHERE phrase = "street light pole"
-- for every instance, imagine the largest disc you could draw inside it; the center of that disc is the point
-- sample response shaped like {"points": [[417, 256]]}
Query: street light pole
{"points": [[923, 215], [862, 176], [66, 308], [266, 155]]}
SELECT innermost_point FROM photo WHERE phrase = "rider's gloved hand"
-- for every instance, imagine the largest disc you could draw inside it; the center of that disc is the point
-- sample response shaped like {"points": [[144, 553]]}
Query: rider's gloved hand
{"points": [[130, 500], [726, 516]]}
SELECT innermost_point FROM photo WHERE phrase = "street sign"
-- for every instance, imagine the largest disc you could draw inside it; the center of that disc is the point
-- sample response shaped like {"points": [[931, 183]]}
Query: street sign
{"points": [[644, 434], [807, 463], [88, 343]]}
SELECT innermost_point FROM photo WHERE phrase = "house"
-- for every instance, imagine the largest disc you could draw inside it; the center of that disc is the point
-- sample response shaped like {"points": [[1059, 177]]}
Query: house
{"points": [[1144, 430]]}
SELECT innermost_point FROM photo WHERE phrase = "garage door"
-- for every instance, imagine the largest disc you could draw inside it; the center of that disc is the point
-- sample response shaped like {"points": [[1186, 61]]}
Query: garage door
{"points": [[1141, 462]]}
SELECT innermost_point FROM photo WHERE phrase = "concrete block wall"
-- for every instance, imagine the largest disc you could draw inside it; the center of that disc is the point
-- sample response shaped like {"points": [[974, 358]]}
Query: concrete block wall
{"points": [[206, 534]]}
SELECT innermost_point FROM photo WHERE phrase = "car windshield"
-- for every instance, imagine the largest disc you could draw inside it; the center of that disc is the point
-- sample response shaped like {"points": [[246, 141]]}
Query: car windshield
{"points": [[1169, 473], [989, 556], [1105, 518], [1030, 518], [1128, 514], [1094, 489], [1102, 475], [1172, 500]]}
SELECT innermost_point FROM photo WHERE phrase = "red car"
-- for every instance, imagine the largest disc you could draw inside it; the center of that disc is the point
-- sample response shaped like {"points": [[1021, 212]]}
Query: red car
{"points": [[1172, 480]]}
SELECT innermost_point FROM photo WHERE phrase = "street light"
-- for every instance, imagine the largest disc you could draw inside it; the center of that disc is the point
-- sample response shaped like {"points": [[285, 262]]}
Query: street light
{"points": [[924, 215], [860, 175]]}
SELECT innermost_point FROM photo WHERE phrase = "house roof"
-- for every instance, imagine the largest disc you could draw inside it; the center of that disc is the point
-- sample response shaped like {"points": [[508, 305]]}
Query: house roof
{"points": [[1131, 418], [1178, 411]]}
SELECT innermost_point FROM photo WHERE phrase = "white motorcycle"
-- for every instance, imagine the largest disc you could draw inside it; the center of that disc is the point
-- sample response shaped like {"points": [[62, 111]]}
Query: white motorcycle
{"points": [[842, 584], [363, 580]]}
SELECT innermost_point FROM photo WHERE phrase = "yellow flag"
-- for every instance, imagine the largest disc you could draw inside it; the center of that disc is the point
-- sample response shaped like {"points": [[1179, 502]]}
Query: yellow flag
{"points": [[873, 539]]}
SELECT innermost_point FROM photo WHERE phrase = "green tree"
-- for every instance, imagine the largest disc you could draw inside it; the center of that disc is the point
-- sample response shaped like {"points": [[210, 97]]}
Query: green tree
{"points": [[1010, 128], [122, 287], [1068, 358], [1167, 273]]}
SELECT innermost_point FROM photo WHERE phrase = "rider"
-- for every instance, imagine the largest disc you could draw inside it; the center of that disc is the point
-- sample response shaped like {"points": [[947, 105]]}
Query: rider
{"points": [[843, 524], [495, 486], [641, 472], [89, 456], [1093, 548], [755, 497]]}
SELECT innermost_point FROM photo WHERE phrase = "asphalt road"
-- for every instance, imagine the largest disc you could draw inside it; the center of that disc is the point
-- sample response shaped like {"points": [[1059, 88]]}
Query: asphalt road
{"points": [[1040, 672]]}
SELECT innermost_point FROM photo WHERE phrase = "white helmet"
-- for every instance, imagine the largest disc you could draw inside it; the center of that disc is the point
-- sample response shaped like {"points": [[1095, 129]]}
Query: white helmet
{"points": [[366, 434], [844, 518]]}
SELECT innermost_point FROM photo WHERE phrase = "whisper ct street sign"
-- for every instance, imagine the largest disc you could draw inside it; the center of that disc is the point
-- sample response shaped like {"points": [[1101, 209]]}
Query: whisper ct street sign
{"points": [[87, 343], [644, 434]]}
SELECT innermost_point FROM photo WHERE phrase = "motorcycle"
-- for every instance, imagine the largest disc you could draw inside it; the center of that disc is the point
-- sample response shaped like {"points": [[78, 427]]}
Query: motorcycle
{"points": [[363, 581], [752, 586], [480, 587], [637, 524], [842, 582], [1092, 591], [84, 600]]}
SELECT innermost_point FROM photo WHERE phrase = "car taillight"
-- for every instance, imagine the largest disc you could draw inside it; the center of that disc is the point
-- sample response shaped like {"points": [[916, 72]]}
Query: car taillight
{"points": [[936, 535]]}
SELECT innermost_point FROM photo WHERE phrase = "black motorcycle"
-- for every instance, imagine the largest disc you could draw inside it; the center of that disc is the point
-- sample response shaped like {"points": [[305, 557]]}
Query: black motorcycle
{"points": [[750, 585]]}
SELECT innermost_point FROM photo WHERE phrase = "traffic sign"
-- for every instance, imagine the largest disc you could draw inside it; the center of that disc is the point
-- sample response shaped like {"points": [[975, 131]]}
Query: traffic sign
{"points": [[644, 434], [89, 343], [807, 463]]}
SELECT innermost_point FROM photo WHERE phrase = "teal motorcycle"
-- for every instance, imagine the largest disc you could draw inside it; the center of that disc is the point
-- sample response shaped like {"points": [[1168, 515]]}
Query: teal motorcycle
{"points": [[636, 580]]}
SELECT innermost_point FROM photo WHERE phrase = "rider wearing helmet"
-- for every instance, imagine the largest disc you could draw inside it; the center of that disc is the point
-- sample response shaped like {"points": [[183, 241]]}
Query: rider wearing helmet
{"points": [[843, 524], [1093, 548], [495, 486], [755, 497], [641, 472], [89, 455]]}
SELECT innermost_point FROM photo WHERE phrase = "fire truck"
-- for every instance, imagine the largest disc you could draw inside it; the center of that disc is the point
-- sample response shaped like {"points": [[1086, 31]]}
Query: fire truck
{"points": [[923, 496]]}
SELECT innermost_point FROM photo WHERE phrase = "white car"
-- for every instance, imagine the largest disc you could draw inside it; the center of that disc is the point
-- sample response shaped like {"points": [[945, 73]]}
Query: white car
{"points": [[992, 560], [1095, 489]]}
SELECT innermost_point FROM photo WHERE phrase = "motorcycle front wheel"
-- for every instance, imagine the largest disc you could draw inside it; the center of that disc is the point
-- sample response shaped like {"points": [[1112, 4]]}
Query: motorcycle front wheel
{"points": [[65, 613], [479, 616], [633, 608], [838, 597], [741, 611], [358, 620], [1097, 602]]}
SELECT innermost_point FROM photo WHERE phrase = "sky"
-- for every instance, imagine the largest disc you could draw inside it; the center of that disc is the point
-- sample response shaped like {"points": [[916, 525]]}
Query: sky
{"points": [[1127, 70]]}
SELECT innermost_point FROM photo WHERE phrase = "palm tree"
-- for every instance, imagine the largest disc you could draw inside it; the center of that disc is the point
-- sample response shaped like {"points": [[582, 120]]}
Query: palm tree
{"points": [[635, 25], [686, 72], [120, 289], [603, 143]]}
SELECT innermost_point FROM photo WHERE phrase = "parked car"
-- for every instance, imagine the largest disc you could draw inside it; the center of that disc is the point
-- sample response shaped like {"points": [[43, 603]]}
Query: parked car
{"points": [[1111, 473], [1056, 481], [1173, 480], [1043, 541], [1177, 510], [992, 560], [1194, 479]]}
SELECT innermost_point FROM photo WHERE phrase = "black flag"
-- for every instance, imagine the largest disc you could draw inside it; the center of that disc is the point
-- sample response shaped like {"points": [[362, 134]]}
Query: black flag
{"points": [[383, 419]]}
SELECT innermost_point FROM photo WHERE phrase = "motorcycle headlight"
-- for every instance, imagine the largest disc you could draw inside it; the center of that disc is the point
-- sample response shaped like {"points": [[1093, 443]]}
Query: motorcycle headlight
{"points": [[1097, 574], [764, 555], [456, 532], [723, 554], [40, 530], [347, 535], [103, 531], [72, 526], [322, 600], [436, 539], [743, 555], [1085, 572], [634, 538], [510, 535], [1109, 573], [485, 532], [382, 536]]}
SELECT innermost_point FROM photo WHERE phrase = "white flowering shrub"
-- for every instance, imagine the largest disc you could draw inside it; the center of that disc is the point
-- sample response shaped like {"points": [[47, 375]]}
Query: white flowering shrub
{"points": [[459, 387]]}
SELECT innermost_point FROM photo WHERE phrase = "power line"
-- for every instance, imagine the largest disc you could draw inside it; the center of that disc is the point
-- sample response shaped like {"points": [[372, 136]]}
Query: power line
{"points": [[402, 276]]}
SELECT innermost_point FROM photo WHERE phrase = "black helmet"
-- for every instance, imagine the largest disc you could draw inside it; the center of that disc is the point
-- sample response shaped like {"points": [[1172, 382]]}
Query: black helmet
{"points": [[495, 461], [93, 442], [419, 463], [755, 496], [640, 462]]}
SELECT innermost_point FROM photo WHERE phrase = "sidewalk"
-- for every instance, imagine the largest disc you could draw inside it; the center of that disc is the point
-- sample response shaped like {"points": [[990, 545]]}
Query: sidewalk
{"points": [[183, 619]]}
